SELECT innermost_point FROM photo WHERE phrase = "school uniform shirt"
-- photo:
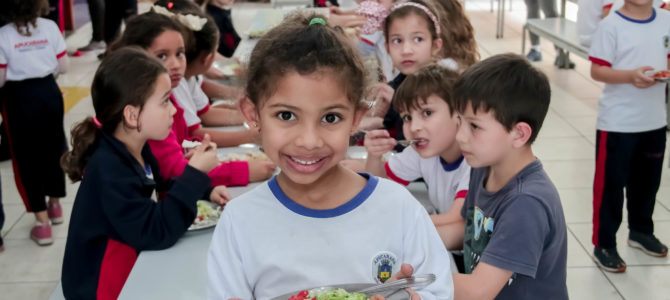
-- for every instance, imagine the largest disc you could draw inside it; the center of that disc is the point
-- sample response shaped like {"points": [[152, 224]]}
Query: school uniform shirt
{"points": [[266, 245], [193, 100], [520, 228], [170, 155], [114, 218], [446, 181], [590, 13], [625, 44], [33, 56]]}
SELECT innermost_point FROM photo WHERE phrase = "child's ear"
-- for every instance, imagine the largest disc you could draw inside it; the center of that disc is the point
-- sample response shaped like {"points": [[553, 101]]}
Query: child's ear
{"points": [[358, 116], [131, 116], [249, 111], [437, 46], [208, 59], [521, 133]]}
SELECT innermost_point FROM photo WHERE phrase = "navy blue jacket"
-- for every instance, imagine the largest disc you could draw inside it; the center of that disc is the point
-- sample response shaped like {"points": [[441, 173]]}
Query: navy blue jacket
{"points": [[114, 218]]}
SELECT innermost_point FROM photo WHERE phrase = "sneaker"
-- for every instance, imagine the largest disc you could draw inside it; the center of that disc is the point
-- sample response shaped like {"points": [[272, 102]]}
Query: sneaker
{"points": [[93, 45], [609, 260], [648, 243], [534, 55], [55, 213], [561, 64], [41, 234]]}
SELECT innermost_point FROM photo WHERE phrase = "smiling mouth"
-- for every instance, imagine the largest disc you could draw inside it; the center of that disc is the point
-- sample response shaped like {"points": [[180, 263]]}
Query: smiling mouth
{"points": [[305, 162]]}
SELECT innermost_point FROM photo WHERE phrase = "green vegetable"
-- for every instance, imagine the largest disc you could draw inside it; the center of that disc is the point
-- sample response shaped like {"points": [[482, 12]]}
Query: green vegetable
{"points": [[339, 294]]}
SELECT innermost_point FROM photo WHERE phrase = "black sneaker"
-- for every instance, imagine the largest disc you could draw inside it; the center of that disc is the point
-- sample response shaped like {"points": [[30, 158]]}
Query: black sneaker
{"points": [[609, 260], [648, 243], [534, 55]]}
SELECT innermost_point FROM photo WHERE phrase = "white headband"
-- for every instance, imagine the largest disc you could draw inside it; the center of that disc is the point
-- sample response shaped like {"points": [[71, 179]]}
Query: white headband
{"points": [[430, 14], [193, 22]]}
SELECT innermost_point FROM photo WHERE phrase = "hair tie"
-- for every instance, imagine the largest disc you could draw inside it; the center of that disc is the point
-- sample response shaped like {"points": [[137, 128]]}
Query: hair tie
{"points": [[97, 123], [192, 22], [170, 5], [430, 14], [317, 20]]}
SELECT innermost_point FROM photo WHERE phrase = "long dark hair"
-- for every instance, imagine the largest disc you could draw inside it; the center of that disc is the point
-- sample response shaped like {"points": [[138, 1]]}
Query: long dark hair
{"points": [[23, 13], [125, 77]]}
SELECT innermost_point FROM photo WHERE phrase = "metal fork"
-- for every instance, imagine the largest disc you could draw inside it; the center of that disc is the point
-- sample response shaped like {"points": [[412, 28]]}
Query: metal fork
{"points": [[392, 287], [407, 143]]}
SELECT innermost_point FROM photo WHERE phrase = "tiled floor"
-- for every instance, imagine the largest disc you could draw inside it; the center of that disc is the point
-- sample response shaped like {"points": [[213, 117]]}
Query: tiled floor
{"points": [[565, 145]]}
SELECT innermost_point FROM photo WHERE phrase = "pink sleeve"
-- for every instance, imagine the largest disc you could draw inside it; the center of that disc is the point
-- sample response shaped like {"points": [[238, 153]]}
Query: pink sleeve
{"points": [[234, 173], [170, 156]]}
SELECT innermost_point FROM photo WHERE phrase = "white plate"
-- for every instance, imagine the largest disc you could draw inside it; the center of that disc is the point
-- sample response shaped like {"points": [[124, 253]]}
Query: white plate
{"points": [[401, 294], [208, 222]]}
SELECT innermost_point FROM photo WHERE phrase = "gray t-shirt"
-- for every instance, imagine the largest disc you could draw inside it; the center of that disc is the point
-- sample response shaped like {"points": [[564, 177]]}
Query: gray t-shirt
{"points": [[520, 228]]}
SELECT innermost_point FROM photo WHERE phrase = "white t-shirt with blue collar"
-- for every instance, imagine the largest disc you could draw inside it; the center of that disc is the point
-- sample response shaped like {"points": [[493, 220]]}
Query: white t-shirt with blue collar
{"points": [[266, 245], [626, 44]]}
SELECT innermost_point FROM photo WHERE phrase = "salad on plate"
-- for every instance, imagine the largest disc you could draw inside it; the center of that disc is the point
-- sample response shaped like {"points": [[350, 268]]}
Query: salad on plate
{"points": [[208, 215]]}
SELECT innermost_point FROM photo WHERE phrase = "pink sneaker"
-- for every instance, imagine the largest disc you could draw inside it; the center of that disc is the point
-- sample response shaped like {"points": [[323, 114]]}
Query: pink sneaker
{"points": [[41, 234], [55, 213]]}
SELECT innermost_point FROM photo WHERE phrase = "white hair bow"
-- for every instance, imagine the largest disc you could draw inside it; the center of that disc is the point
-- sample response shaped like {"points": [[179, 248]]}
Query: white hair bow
{"points": [[193, 22]]}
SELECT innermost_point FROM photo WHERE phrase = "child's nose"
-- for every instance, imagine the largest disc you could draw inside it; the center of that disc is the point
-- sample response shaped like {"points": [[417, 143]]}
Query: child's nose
{"points": [[407, 47], [309, 138]]}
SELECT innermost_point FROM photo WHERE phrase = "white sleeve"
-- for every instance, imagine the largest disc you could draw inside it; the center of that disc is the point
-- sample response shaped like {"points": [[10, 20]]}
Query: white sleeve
{"points": [[463, 182], [200, 100], [603, 46], [57, 40], [404, 165], [426, 253], [225, 273]]}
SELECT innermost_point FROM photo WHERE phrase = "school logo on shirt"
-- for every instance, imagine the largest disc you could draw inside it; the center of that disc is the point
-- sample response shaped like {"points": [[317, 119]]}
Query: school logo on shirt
{"points": [[666, 41], [383, 264]]}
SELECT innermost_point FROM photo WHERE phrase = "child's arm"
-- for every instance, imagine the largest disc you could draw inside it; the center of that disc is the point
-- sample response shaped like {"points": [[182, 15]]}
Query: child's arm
{"points": [[453, 215], [452, 234], [63, 64], [219, 116], [636, 77], [485, 282], [377, 143], [3, 76], [228, 138], [220, 91]]}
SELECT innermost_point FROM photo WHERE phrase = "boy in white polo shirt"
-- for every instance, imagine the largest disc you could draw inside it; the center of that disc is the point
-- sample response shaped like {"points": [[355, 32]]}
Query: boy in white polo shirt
{"points": [[629, 45], [424, 102]]}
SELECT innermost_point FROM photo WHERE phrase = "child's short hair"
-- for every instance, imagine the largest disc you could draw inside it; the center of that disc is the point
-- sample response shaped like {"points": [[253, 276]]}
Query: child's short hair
{"points": [[23, 13], [200, 41], [416, 88], [510, 87], [142, 30], [398, 12], [304, 44]]}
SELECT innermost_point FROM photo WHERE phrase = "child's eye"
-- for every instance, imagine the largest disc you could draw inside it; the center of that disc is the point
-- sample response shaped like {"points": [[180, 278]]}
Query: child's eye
{"points": [[286, 115], [396, 41], [161, 56], [406, 118], [331, 118], [418, 39], [427, 113], [474, 126]]}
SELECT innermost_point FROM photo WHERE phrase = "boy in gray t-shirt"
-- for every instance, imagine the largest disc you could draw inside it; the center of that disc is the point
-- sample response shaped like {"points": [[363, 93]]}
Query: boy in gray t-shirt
{"points": [[515, 237]]}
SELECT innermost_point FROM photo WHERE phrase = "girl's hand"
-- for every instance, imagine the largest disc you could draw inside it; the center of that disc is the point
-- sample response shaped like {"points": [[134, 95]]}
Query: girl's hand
{"points": [[406, 271], [204, 156], [640, 80], [260, 169], [382, 94], [378, 142], [220, 195]]}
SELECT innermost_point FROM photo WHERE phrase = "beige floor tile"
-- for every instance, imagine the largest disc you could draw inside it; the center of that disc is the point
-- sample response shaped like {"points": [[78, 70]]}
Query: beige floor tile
{"points": [[556, 126], [588, 284], [632, 256], [643, 282], [577, 255], [13, 212], [25, 261], [578, 206], [563, 148], [27, 291], [586, 126], [22, 228], [570, 174]]}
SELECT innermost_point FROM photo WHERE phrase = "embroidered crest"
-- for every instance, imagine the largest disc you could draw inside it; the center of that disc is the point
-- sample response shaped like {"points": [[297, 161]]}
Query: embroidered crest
{"points": [[666, 41], [383, 264]]}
